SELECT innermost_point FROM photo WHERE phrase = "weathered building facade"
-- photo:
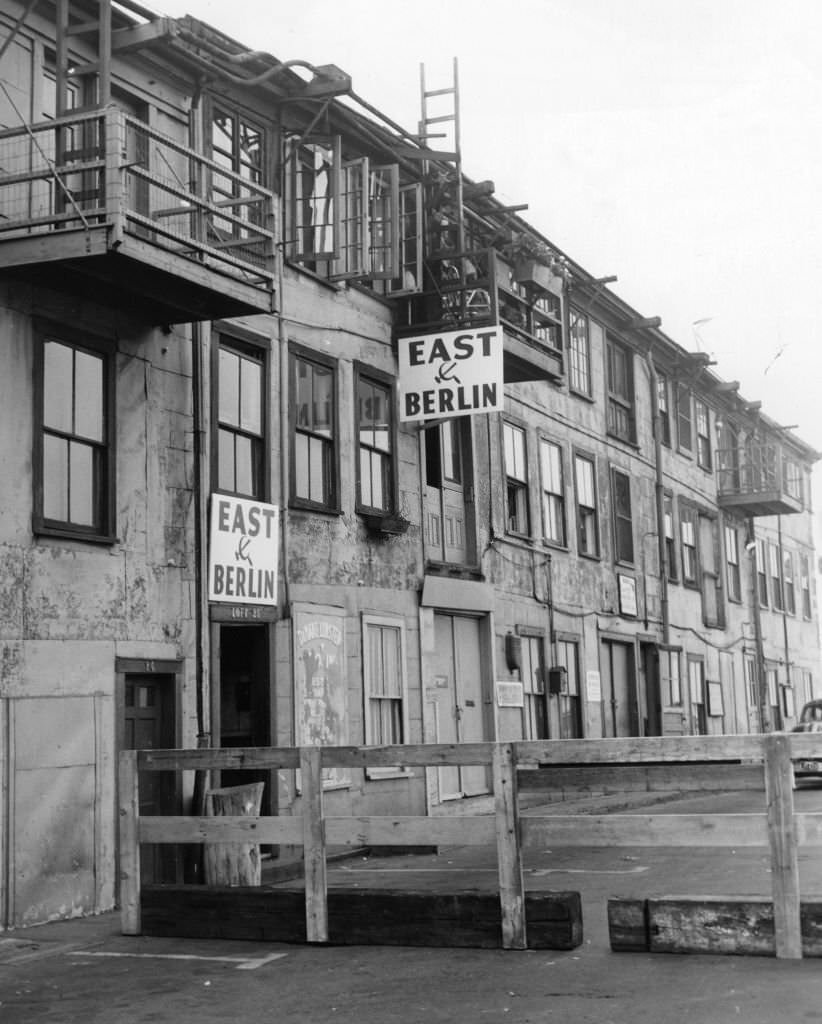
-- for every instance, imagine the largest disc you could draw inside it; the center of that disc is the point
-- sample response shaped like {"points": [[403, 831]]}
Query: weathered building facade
{"points": [[211, 270]]}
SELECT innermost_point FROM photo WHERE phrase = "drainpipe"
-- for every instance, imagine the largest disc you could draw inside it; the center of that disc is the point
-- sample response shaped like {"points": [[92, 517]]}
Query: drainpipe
{"points": [[759, 653], [659, 493], [784, 606]]}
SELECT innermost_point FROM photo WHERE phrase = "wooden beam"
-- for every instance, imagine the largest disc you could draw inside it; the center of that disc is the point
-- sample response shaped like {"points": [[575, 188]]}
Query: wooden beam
{"points": [[316, 905], [784, 858], [129, 796], [684, 830], [509, 860]]}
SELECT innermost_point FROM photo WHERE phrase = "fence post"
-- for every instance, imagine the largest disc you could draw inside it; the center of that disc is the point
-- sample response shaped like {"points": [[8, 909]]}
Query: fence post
{"points": [[129, 797], [782, 838], [316, 901], [509, 854]]}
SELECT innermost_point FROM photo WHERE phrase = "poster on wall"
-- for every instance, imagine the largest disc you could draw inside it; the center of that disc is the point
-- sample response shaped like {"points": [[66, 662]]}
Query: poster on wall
{"points": [[320, 697], [243, 551]]}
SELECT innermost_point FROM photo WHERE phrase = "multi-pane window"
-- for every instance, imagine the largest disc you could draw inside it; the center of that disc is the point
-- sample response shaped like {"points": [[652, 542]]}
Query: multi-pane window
{"points": [[74, 476], [670, 679], [375, 430], [579, 354], [684, 423], [751, 681], [236, 146], [663, 409], [732, 562], [704, 455], [687, 533], [623, 520], [762, 572], [805, 585], [313, 182], [775, 567], [408, 273], [516, 479], [789, 582], [620, 378], [314, 432], [240, 420], [696, 685], [587, 526], [384, 684], [553, 492], [670, 537], [534, 712], [570, 712]]}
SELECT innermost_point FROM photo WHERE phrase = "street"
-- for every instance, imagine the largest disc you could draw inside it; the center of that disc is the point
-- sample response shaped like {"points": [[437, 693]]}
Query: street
{"points": [[86, 971]]}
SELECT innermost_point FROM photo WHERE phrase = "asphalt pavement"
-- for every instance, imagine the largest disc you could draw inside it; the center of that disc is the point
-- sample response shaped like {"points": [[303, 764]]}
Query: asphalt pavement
{"points": [[85, 971]]}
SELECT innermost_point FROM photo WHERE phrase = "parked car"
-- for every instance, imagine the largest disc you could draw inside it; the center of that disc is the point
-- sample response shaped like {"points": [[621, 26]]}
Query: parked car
{"points": [[810, 720]]}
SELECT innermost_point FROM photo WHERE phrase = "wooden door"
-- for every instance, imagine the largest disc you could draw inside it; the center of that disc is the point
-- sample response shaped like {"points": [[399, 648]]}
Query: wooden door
{"points": [[619, 689]]}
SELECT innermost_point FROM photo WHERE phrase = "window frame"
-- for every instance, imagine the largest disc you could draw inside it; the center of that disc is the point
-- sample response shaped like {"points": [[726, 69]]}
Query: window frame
{"points": [[663, 408], [592, 511], [534, 688], [668, 511], [105, 499], [621, 480], [299, 353], [619, 403], [518, 485], [684, 419], [670, 678], [762, 582], [369, 619], [555, 497], [383, 380], [702, 430], [733, 563], [579, 353], [688, 517], [775, 577], [788, 582], [256, 348], [805, 586]]}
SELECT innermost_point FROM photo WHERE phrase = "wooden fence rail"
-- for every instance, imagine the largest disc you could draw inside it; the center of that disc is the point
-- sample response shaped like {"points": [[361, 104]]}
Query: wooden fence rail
{"points": [[702, 759]]}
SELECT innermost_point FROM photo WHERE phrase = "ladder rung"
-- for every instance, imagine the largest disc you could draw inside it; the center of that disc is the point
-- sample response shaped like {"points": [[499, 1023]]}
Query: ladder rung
{"points": [[83, 28], [92, 67], [440, 92], [439, 120]]}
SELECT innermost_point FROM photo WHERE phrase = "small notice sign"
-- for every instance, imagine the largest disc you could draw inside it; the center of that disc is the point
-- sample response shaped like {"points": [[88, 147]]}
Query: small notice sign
{"points": [[244, 550], [509, 694], [453, 373]]}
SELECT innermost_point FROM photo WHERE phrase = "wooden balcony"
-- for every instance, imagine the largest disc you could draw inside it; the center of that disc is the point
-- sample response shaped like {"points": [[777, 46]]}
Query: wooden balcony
{"points": [[757, 480], [485, 291], [101, 205]]}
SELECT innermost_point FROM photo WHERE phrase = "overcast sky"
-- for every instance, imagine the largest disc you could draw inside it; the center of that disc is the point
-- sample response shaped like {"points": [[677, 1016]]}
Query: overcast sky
{"points": [[674, 143]]}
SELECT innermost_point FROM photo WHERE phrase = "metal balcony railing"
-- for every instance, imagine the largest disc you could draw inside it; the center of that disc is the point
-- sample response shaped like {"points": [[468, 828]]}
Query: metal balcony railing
{"points": [[761, 476], [105, 167]]}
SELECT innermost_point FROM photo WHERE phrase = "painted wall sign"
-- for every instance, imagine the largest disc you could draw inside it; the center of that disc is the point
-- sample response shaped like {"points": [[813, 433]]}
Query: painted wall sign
{"points": [[450, 374], [320, 682], [244, 551]]}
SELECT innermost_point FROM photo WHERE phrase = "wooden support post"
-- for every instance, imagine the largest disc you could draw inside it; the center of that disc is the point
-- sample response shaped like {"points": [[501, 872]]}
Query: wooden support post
{"points": [[509, 853], [782, 836], [114, 146], [129, 797], [316, 890]]}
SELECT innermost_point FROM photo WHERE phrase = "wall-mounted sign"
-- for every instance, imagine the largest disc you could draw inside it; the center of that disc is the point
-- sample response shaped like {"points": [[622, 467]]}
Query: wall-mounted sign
{"points": [[244, 551], [627, 595], [509, 694], [593, 685], [450, 374]]}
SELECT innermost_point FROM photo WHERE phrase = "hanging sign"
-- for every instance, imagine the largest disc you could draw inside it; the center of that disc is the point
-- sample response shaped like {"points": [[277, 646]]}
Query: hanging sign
{"points": [[450, 374], [244, 551]]}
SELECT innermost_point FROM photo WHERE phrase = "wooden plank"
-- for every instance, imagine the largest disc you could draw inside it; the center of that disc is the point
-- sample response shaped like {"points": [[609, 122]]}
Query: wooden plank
{"points": [[193, 829], [129, 798], [640, 750], [385, 917], [711, 924], [224, 757], [316, 907], [806, 745], [628, 925], [411, 755], [808, 829], [686, 830], [784, 856], [410, 831], [509, 861], [607, 779]]}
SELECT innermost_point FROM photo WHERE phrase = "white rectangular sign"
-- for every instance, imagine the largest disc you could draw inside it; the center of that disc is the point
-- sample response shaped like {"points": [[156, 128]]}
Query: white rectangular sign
{"points": [[451, 374], [244, 551]]}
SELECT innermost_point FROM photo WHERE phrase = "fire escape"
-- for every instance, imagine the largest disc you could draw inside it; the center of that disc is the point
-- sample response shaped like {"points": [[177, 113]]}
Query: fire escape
{"points": [[98, 201]]}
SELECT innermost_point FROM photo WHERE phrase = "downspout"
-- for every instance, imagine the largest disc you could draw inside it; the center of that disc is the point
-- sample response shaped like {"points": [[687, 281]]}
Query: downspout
{"points": [[784, 606], [759, 655], [659, 493]]}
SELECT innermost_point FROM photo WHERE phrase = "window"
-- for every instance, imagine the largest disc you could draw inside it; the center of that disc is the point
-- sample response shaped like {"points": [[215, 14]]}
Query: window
{"points": [[534, 711], [620, 379], [788, 702], [687, 531], [313, 432], [805, 585], [313, 194], [792, 478], [74, 455], [788, 578], [240, 419], [516, 479], [553, 492], [409, 270], [670, 537], [384, 685], [704, 456], [670, 680], [732, 561], [762, 572], [751, 681], [375, 430], [237, 146], [587, 528], [623, 522], [696, 685], [579, 362], [683, 418], [663, 410], [775, 567], [570, 712]]}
